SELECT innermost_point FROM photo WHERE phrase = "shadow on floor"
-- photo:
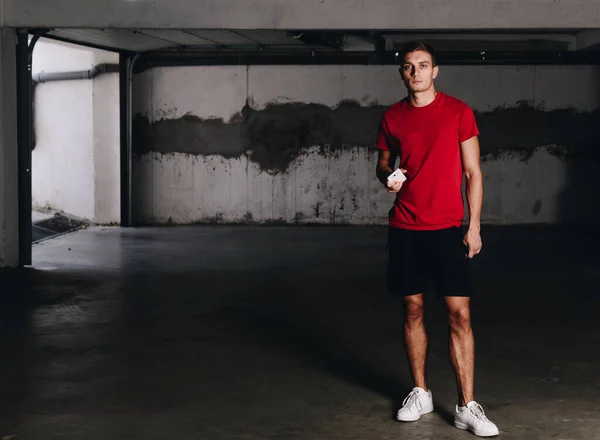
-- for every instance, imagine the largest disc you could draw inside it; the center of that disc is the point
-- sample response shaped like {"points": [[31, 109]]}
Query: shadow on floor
{"points": [[295, 313]]}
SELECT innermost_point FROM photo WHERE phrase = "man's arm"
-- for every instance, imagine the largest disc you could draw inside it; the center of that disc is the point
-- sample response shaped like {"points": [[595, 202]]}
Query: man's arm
{"points": [[387, 158], [385, 165], [474, 178]]}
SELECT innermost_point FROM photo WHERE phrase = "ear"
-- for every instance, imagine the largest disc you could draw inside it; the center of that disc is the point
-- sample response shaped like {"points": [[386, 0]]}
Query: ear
{"points": [[436, 70]]}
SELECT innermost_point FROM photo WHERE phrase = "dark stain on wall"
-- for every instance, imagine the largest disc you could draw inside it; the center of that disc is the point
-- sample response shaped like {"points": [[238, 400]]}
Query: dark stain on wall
{"points": [[317, 209], [275, 136], [522, 129], [188, 134], [280, 133], [537, 207]]}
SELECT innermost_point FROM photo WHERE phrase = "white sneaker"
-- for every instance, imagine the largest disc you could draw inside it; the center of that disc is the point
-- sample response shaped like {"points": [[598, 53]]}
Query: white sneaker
{"points": [[472, 418], [416, 404]]}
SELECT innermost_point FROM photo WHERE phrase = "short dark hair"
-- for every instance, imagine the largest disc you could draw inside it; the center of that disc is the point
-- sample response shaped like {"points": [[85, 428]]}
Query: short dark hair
{"points": [[415, 46]]}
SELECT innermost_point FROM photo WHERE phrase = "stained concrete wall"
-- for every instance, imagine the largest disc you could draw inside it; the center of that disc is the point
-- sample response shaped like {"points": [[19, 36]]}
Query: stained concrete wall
{"points": [[9, 202], [306, 14], [75, 163], [296, 144]]}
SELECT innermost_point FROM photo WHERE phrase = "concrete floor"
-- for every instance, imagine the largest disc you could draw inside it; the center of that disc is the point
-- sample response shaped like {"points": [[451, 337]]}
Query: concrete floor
{"points": [[286, 333]]}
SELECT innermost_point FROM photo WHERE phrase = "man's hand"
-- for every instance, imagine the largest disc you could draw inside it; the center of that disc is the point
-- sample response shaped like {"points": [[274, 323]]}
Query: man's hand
{"points": [[472, 241], [394, 186]]}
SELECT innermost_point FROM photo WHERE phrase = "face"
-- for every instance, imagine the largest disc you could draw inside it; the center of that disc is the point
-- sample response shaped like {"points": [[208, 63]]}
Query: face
{"points": [[418, 71]]}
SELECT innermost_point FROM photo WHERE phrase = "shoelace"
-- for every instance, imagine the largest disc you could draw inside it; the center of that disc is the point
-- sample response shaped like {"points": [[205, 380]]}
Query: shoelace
{"points": [[478, 412], [411, 399]]}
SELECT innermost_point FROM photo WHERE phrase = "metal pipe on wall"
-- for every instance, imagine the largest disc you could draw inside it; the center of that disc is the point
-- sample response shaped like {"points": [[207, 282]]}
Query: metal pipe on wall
{"points": [[92, 73]]}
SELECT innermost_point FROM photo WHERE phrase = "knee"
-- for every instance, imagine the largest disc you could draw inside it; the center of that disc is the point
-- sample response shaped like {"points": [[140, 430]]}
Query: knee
{"points": [[460, 319], [414, 312]]}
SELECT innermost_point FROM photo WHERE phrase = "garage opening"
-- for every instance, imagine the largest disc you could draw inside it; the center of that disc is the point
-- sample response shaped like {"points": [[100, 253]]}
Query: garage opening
{"points": [[76, 138]]}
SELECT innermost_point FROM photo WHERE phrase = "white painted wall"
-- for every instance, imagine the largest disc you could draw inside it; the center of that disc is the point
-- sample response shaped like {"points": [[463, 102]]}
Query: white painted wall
{"points": [[75, 163], [9, 204], [306, 14], [63, 160], [106, 142], [182, 188]]}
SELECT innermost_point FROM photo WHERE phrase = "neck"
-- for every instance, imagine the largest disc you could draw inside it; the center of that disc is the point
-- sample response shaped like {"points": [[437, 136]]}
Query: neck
{"points": [[421, 99]]}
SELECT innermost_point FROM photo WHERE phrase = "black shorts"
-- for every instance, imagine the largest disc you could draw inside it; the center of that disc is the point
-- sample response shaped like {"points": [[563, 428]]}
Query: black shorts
{"points": [[417, 257]]}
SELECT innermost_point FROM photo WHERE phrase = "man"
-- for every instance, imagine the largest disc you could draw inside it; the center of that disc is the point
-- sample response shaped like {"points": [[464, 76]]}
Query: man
{"points": [[435, 136]]}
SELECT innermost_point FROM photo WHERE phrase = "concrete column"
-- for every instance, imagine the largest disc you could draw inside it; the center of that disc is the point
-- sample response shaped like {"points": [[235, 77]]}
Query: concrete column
{"points": [[9, 218]]}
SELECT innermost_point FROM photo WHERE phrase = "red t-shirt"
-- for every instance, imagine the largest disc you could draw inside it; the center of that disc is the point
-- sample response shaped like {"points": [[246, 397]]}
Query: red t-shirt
{"points": [[427, 141]]}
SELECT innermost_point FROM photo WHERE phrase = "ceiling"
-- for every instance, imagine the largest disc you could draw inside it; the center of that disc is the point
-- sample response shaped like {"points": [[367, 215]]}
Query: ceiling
{"points": [[141, 40], [144, 40]]}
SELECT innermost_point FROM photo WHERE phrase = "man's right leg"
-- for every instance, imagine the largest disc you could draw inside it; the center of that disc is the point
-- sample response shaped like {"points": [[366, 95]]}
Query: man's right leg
{"points": [[407, 278], [420, 399], [415, 338]]}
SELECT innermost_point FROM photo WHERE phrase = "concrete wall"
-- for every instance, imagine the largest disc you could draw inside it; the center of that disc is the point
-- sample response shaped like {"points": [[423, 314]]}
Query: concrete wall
{"points": [[295, 143], [75, 165], [306, 14], [9, 202], [106, 142]]}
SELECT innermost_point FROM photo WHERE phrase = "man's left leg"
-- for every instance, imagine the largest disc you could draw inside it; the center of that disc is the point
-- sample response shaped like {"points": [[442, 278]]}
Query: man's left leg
{"points": [[451, 280], [469, 414], [461, 346]]}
